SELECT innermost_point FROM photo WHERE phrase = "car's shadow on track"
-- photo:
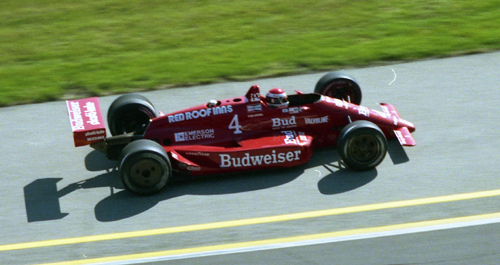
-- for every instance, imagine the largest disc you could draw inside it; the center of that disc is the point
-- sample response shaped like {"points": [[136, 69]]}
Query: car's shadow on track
{"points": [[42, 196], [124, 204], [342, 180]]}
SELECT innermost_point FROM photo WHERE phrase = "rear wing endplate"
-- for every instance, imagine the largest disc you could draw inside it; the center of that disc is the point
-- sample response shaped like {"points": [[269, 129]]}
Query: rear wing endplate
{"points": [[86, 121]]}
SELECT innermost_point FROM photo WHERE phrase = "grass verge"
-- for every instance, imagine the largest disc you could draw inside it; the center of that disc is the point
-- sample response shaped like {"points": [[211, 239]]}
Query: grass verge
{"points": [[56, 49]]}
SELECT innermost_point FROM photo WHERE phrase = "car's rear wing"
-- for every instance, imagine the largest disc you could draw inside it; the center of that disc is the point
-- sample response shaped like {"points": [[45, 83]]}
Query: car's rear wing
{"points": [[402, 133], [86, 120]]}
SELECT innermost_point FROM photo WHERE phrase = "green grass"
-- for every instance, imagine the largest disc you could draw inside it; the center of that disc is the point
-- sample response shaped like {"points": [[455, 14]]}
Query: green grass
{"points": [[56, 49]]}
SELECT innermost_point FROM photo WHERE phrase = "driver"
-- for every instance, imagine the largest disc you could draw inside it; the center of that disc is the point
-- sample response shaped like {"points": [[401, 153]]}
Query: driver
{"points": [[276, 98]]}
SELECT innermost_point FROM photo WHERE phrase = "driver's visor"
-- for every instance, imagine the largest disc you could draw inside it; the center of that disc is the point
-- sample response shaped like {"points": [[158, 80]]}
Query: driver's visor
{"points": [[279, 100]]}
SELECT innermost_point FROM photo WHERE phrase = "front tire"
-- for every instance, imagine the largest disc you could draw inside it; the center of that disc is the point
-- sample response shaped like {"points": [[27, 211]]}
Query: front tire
{"points": [[145, 167], [362, 145], [130, 113], [339, 85]]}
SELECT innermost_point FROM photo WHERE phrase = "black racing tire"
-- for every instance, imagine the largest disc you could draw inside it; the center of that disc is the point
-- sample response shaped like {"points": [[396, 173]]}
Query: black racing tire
{"points": [[339, 85], [144, 167], [362, 145], [130, 113]]}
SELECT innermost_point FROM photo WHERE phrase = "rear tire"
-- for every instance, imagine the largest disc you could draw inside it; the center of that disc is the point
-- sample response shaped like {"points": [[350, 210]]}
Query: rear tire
{"points": [[144, 167], [362, 145], [339, 85], [130, 113]]}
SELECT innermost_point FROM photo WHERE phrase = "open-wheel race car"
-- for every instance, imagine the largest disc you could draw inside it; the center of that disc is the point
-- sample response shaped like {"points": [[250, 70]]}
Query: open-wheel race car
{"points": [[250, 132]]}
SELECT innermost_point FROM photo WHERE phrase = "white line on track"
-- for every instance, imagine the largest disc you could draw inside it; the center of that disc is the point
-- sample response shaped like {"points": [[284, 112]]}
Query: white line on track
{"points": [[395, 76], [298, 241]]}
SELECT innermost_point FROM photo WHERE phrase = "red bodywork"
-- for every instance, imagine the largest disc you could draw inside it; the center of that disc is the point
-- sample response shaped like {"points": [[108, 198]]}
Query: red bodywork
{"points": [[86, 121], [244, 133]]}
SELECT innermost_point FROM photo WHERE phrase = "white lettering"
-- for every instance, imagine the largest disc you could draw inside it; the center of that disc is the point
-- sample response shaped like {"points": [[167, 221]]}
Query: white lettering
{"points": [[364, 111], [176, 118], [316, 120], [197, 154], [292, 137], [95, 132], [339, 103], [284, 123], [289, 137], [77, 116], [267, 159], [254, 97], [194, 135], [195, 114], [91, 113], [95, 138], [281, 157], [235, 125], [245, 161], [400, 137], [297, 155], [226, 160]]}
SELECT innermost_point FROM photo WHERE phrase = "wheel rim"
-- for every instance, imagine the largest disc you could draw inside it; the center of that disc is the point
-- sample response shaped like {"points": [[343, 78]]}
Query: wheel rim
{"points": [[146, 173], [364, 149], [340, 89]]}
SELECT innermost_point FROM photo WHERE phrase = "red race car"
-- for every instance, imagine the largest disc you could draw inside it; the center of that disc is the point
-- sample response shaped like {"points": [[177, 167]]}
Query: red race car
{"points": [[250, 132]]}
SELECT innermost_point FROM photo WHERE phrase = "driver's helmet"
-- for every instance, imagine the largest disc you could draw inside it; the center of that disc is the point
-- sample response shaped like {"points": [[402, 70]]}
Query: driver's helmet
{"points": [[276, 98]]}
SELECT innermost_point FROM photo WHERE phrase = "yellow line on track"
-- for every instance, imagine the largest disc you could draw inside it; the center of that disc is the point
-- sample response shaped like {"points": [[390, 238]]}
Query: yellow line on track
{"points": [[284, 240], [252, 221]]}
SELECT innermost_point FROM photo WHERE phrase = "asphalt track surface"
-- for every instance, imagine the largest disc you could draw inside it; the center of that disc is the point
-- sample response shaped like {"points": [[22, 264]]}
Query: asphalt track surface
{"points": [[435, 203]]}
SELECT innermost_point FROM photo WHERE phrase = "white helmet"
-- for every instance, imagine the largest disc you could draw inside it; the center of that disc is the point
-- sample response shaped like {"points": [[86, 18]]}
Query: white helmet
{"points": [[276, 98]]}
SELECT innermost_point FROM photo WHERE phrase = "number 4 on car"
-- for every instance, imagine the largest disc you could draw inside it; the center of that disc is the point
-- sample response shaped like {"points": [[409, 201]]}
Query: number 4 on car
{"points": [[251, 132]]}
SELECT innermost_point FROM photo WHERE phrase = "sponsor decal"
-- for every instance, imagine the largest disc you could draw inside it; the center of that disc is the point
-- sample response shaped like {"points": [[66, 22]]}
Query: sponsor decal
{"points": [[197, 154], [98, 132], [254, 107], [255, 97], [385, 110], [291, 137], [293, 110], [194, 135], [95, 135], [284, 123], [227, 160], [400, 137], [407, 123], [95, 138], [77, 120], [339, 103], [381, 114], [91, 113], [316, 120], [86, 121], [255, 115], [195, 114], [364, 111], [193, 168]]}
